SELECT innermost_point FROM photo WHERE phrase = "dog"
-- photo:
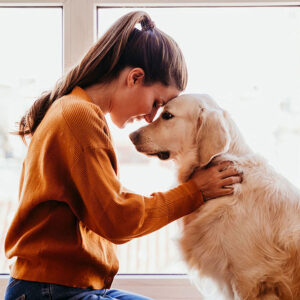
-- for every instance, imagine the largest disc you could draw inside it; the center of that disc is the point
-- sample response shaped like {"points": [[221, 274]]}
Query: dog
{"points": [[247, 243]]}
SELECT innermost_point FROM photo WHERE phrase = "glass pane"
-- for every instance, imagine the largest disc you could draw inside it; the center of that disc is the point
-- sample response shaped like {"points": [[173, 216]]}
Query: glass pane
{"points": [[248, 59], [31, 62]]}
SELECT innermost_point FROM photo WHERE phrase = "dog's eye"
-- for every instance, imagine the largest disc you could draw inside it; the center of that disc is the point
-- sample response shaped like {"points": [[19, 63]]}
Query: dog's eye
{"points": [[166, 115]]}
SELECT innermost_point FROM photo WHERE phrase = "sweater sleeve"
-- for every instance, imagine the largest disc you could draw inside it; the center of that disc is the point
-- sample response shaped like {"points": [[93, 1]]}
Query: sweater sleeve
{"points": [[117, 215], [98, 199]]}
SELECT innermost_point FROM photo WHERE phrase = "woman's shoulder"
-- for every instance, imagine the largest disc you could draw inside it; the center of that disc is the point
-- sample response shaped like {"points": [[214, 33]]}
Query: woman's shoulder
{"points": [[85, 119], [78, 104]]}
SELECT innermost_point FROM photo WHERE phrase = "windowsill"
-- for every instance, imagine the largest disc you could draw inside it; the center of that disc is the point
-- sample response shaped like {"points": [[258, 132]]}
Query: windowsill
{"points": [[156, 286]]}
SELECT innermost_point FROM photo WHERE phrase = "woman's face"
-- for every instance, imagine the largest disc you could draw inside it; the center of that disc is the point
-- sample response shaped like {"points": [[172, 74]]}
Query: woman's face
{"points": [[135, 100]]}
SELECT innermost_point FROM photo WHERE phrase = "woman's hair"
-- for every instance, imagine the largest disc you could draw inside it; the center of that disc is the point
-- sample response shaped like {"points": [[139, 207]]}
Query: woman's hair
{"points": [[123, 45]]}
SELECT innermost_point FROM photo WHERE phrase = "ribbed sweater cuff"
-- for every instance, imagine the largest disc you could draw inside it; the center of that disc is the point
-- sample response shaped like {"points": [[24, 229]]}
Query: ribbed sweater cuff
{"points": [[191, 199]]}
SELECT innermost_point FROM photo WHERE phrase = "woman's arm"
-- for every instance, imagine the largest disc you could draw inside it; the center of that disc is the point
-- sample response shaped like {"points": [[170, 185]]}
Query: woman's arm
{"points": [[120, 216]]}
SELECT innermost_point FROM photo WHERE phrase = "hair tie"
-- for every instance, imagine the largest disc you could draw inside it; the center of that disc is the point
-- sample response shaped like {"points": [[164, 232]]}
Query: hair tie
{"points": [[147, 25]]}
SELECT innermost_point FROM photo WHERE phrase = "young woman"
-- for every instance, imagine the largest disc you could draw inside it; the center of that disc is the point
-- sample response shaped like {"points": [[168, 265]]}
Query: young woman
{"points": [[73, 210]]}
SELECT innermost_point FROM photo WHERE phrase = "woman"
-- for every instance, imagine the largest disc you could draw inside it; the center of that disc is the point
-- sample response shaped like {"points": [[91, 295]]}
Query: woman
{"points": [[73, 210]]}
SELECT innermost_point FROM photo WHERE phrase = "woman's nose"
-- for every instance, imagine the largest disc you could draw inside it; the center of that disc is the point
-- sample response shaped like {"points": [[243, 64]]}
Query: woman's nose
{"points": [[149, 118]]}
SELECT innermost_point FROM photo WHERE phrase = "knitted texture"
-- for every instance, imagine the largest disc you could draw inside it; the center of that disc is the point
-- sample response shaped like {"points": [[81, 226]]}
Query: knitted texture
{"points": [[72, 208]]}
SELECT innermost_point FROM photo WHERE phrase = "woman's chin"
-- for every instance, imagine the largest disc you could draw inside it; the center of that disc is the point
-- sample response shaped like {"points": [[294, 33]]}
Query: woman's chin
{"points": [[131, 120], [120, 123]]}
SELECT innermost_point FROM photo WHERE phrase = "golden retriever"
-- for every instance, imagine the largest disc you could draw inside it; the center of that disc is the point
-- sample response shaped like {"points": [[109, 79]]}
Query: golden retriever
{"points": [[247, 243]]}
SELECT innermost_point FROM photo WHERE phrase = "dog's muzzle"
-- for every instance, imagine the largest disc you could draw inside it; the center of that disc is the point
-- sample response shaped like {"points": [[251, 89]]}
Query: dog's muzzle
{"points": [[135, 138]]}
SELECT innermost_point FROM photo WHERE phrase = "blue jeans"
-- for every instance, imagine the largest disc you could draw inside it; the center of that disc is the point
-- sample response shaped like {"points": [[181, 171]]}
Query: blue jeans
{"points": [[31, 290]]}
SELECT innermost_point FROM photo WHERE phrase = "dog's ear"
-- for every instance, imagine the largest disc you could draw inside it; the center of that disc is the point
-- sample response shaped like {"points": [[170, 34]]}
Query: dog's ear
{"points": [[212, 135]]}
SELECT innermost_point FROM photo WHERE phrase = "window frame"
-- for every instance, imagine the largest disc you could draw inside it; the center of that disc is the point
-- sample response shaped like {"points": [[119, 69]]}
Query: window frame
{"points": [[79, 33], [80, 17]]}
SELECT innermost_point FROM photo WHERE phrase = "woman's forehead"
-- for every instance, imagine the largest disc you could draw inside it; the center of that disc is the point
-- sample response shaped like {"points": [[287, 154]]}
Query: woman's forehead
{"points": [[166, 93]]}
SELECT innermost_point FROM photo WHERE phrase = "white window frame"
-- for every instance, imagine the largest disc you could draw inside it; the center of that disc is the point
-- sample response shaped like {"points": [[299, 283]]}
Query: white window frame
{"points": [[79, 33]]}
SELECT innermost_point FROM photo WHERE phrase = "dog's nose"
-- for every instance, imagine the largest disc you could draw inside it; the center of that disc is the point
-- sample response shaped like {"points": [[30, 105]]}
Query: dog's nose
{"points": [[134, 137]]}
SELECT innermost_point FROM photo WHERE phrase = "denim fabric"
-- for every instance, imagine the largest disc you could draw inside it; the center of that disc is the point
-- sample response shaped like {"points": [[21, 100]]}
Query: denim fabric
{"points": [[31, 290]]}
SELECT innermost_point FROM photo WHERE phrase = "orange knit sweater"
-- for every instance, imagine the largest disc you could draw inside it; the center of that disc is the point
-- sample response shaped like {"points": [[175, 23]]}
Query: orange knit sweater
{"points": [[73, 209]]}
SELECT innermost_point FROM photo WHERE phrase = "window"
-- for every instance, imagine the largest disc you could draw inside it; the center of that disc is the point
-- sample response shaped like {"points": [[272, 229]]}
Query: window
{"points": [[252, 69], [247, 58], [31, 62]]}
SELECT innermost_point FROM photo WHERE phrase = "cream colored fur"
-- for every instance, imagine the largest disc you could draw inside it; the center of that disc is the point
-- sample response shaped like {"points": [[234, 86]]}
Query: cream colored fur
{"points": [[248, 243]]}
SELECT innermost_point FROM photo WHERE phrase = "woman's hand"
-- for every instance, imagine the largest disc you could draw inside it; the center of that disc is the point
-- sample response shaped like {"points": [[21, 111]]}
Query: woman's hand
{"points": [[216, 181]]}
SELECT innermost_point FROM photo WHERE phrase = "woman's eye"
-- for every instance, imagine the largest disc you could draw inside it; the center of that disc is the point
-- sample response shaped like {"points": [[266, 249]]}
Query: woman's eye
{"points": [[166, 115]]}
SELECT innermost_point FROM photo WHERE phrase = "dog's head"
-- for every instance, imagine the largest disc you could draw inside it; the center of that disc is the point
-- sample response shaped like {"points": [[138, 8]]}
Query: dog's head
{"points": [[188, 121]]}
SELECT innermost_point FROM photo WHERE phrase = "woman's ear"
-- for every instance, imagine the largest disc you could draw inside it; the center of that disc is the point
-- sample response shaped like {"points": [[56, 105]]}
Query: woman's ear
{"points": [[213, 136], [135, 76]]}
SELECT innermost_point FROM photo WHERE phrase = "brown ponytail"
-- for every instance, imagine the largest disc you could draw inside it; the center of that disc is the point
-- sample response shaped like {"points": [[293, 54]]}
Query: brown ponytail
{"points": [[121, 46]]}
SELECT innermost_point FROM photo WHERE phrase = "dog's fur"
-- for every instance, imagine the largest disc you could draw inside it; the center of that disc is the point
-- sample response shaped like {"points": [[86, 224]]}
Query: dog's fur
{"points": [[248, 243]]}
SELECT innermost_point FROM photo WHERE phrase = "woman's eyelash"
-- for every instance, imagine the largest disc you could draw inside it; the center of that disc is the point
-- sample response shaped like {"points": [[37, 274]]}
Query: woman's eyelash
{"points": [[158, 104], [155, 104]]}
